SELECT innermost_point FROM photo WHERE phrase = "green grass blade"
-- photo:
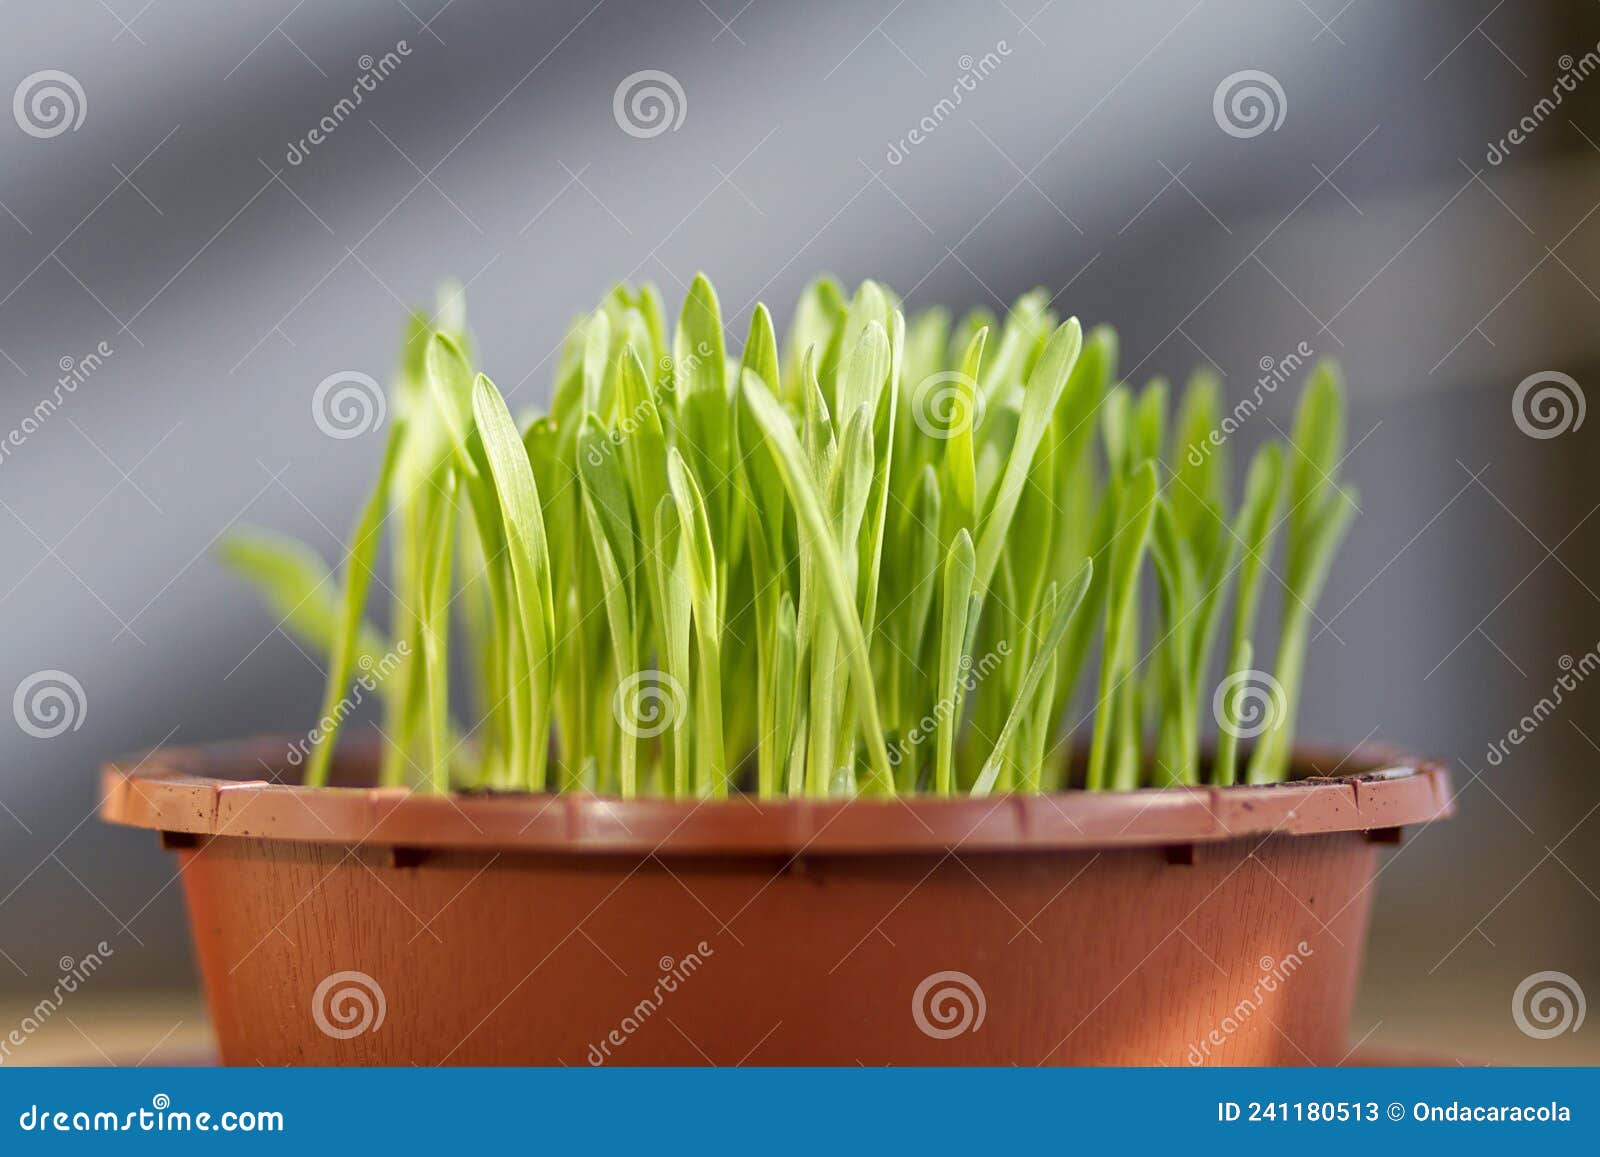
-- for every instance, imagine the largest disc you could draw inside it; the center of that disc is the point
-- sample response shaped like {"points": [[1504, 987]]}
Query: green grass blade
{"points": [[1128, 546], [676, 615], [435, 595], [529, 551], [1044, 390], [960, 457], [959, 579], [711, 764], [297, 586], [1067, 604], [619, 620], [357, 578], [1255, 527], [841, 598]]}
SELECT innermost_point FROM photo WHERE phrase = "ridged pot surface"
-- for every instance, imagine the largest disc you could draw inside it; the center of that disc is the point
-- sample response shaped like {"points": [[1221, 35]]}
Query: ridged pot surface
{"points": [[354, 926]]}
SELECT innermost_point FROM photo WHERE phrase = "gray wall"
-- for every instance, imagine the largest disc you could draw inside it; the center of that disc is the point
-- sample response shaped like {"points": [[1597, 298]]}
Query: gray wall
{"points": [[229, 282]]}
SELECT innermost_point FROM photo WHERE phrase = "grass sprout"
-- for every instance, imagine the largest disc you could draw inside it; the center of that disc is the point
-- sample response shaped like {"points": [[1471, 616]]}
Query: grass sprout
{"points": [[884, 556]]}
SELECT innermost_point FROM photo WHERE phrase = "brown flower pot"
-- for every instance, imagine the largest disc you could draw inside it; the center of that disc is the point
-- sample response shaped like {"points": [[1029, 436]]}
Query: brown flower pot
{"points": [[350, 925]]}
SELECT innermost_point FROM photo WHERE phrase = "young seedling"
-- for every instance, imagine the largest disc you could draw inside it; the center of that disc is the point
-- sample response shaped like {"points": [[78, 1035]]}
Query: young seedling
{"points": [[873, 557]]}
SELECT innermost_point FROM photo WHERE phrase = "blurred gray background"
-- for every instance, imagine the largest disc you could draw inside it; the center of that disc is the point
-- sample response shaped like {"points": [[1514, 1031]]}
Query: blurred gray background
{"points": [[227, 282]]}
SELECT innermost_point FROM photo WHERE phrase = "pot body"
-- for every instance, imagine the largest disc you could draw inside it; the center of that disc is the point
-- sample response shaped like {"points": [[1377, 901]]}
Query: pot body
{"points": [[1240, 951]]}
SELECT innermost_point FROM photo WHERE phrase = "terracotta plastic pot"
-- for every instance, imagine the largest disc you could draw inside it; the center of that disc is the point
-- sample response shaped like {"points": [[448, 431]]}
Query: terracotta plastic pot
{"points": [[351, 925]]}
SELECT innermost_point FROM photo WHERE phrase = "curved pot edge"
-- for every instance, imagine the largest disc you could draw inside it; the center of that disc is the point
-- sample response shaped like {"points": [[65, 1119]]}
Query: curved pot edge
{"points": [[200, 791]]}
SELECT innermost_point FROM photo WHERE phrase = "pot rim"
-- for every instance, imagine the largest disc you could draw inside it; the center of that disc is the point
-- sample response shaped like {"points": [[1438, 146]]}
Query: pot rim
{"points": [[207, 791]]}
